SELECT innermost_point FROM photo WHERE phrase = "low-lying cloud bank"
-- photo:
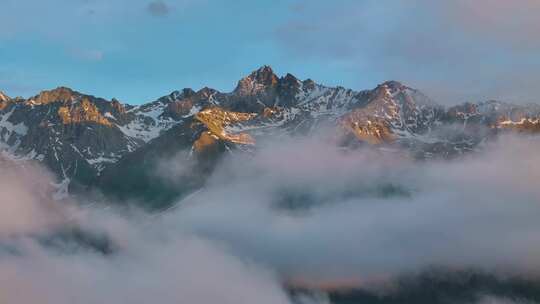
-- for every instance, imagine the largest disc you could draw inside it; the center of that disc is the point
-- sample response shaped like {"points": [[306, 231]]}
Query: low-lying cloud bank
{"points": [[317, 213], [146, 265], [302, 212]]}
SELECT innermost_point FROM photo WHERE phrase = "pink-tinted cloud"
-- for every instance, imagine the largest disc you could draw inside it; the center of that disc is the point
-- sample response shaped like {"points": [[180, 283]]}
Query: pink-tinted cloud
{"points": [[356, 217], [149, 264], [454, 50]]}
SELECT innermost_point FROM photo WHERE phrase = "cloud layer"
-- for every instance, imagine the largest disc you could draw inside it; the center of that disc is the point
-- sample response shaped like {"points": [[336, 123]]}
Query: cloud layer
{"points": [[320, 214], [299, 211], [454, 50], [149, 264]]}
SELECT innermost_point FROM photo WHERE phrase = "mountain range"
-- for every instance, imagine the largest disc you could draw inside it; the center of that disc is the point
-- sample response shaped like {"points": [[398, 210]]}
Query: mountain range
{"points": [[93, 143]]}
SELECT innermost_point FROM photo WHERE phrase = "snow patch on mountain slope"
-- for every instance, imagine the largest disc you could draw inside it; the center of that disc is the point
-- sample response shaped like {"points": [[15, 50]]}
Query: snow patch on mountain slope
{"points": [[150, 122], [10, 135], [323, 100], [141, 130], [9, 128]]}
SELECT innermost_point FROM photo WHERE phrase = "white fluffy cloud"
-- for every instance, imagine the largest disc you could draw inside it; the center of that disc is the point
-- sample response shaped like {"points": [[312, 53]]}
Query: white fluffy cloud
{"points": [[373, 216], [149, 264], [299, 211]]}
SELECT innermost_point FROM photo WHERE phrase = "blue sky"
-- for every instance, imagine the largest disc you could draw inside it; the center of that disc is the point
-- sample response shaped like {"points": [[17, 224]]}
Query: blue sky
{"points": [[138, 50]]}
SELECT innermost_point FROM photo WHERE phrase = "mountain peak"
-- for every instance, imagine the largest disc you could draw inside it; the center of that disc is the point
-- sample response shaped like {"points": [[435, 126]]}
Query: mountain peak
{"points": [[290, 78], [4, 97], [60, 89], [264, 75], [264, 70], [393, 84], [257, 81], [206, 91], [62, 94], [391, 88]]}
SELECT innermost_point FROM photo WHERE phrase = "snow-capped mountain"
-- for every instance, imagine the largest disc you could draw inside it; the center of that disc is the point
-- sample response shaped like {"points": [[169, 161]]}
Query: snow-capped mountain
{"points": [[89, 140], [75, 134]]}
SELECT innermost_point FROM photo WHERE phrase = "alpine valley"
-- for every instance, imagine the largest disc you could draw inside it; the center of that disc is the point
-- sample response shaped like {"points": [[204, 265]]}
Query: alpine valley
{"points": [[91, 143]]}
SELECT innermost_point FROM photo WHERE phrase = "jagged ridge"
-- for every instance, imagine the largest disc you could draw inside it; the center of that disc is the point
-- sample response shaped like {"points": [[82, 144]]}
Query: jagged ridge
{"points": [[79, 135]]}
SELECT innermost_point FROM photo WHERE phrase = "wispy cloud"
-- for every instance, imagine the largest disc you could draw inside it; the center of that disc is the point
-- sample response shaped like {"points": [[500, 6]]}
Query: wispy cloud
{"points": [[455, 50], [87, 54], [158, 8]]}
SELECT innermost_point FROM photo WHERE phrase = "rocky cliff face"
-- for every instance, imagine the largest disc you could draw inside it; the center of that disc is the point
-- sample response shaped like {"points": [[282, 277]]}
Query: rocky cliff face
{"points": [[74, 134], [88, 140]]}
